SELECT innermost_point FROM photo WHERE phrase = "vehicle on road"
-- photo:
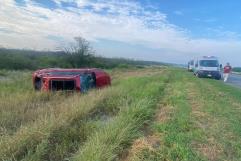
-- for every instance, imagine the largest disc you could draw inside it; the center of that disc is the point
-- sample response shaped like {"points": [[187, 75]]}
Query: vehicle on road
{"points": [[57, 79], [207, 67], [190, 66]]}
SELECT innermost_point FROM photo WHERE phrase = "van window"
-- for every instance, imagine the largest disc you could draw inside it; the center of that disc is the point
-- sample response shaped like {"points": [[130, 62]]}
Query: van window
{"points": [[209, 63]]}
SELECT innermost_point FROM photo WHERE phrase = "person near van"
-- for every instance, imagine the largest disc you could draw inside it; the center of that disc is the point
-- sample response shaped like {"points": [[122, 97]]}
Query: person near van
{"points": [[226, 72]]}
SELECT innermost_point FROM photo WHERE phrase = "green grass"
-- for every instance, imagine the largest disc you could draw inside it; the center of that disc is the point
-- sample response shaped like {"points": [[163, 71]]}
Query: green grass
{"points": [[107, 143], [148, 114], [45, 126], [203, 123]]}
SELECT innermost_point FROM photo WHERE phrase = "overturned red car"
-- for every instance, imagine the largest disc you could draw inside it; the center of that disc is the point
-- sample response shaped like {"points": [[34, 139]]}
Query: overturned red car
{"points": [[57, 79]]}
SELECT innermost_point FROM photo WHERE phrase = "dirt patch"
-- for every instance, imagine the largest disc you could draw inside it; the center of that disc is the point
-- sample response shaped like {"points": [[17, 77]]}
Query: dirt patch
{"points": [[197, 105], [164, 113], [210, 150], [236, 105], [150, 143], [199, 114], [192, 98]]}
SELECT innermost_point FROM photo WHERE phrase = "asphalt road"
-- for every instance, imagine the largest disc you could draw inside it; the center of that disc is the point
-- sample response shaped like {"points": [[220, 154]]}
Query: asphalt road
{"points": [[235, 80]]}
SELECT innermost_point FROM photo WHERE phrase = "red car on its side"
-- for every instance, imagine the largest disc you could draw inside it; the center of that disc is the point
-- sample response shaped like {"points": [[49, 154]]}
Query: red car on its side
{"points": [[57, 79]]}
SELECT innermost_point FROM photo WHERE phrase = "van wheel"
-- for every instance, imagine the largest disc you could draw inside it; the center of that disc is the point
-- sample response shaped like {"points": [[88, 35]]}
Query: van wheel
{"points": [[218, 78], [198, 75]]}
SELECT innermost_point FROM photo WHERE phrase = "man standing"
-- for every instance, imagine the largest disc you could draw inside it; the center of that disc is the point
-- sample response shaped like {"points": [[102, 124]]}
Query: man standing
{"points": [[226, 71]]}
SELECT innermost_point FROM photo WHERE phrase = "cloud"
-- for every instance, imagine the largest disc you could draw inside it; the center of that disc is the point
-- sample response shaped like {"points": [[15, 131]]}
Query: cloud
{"points": [[34, 26], [80, 3], [113, 20]]}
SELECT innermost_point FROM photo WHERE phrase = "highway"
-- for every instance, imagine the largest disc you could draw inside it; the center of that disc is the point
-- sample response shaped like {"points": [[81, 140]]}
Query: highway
{"points": [[235, 80]]}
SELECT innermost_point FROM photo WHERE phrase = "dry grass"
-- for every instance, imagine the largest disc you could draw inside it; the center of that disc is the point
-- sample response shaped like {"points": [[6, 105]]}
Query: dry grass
{"points": [[202, 120], [30, 135], [28, 118], [53, 126], [127, 73], [211, 150], [149, 143], [164, 114], [194, 119], [152, 141]]}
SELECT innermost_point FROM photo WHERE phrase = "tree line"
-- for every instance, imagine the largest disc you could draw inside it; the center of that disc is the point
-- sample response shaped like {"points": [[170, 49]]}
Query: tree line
{"points": [[81, 54]]}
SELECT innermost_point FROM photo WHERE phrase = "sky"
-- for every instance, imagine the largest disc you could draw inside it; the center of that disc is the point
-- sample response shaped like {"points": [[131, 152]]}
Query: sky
{"points": [[173, 31]]}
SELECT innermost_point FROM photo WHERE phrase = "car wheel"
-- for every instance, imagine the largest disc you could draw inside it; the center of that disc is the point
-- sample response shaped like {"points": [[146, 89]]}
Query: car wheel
{"points": [[199, 76], [218, 78]]}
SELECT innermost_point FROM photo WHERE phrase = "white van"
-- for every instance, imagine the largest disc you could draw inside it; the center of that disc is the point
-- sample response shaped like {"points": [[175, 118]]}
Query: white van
{"points": [[207, 67], [190, 66]]}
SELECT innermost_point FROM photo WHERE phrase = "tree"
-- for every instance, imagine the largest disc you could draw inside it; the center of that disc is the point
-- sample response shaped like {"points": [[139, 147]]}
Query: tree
{"points": [[80, 54]]}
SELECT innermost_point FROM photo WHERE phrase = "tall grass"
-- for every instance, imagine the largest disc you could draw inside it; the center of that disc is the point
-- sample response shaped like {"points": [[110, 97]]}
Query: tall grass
{"points": [[187, 119], [108, 143], [29, 136], [40, 126], [199, 119]]}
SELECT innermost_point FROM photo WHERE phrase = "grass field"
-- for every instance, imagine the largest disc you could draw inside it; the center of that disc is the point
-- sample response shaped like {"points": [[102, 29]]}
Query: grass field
{"points": [[147, 114]]}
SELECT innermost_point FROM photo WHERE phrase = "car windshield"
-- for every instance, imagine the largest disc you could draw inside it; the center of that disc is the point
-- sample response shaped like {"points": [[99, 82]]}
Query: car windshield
{"points": [[208, 63]]}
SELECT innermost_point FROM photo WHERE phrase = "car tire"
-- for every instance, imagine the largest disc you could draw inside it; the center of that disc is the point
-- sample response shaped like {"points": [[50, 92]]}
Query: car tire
{"points": [[218, 78], [198, 75]]}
